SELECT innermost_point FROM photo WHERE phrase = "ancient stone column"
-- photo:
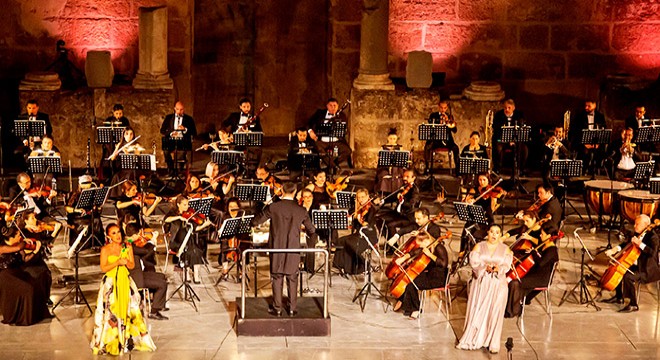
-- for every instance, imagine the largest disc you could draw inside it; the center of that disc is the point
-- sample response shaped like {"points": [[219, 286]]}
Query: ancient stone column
{"points": [[373, 74], [152, 72]]}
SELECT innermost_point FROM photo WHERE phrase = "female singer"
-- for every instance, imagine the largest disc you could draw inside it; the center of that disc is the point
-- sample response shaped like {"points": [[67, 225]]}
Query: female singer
{"points": [[177, 224], [118, 320], [131, 203], [349, 259], [484, 318], [24, 298]]}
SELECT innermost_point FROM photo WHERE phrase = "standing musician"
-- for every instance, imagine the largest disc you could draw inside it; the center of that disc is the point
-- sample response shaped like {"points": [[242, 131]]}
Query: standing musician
{"points": [[622, 156], [405, 201], [178, 221], [177, 130], [556, 148], [27, 195], [77, 218], [434, 275], [442, 116], [349, 259], [388, 178], [243, 121], [591, 119], [286, 217], [325, 144], [32, 113], [131, 202], [644, 270], [299, 144], [545, 256], [508, 116], [489, 202]]}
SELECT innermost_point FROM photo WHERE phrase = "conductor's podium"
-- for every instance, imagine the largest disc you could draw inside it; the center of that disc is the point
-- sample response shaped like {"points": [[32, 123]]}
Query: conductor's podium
{"points": [[258, 322]]}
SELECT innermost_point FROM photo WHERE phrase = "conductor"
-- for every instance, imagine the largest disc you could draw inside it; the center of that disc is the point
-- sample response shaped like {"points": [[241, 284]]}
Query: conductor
{"points": [[286, 217]]}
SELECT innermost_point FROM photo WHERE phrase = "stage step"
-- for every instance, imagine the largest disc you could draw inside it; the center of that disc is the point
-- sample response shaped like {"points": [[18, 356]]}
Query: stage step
{"points": [[258, 322]]}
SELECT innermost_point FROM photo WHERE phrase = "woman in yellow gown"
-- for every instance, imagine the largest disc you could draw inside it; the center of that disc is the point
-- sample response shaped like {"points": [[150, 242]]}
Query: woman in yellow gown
{"points": [[118, 322]]}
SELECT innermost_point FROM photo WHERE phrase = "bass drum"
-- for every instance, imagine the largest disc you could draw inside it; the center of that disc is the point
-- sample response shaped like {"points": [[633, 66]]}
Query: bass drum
{"points": [[603, 192], [636, 202]]}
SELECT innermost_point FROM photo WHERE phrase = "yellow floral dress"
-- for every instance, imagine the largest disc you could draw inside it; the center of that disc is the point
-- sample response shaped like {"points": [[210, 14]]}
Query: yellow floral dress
{"points": [[118, 322]]}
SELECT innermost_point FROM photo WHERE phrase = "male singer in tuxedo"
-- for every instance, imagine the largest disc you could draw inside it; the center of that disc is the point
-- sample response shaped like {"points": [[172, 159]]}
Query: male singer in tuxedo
{"points": [[590, 118], [508, 116], [324, 143], [286, 217], [177, 130]]}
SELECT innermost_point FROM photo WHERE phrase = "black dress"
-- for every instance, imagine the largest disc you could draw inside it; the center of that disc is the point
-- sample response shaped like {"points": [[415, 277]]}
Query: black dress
{"points": [[350, 247], [434, 276], [22, 299], [176, 233]]}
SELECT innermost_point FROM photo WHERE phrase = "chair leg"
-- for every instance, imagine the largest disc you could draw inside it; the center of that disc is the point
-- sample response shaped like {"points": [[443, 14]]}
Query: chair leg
{"points": [[522, 311], [422, 300], [548, 304]]}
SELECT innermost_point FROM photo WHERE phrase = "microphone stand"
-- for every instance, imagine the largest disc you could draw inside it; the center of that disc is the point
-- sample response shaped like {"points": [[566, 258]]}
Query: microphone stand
{"points": [[581, 286]]}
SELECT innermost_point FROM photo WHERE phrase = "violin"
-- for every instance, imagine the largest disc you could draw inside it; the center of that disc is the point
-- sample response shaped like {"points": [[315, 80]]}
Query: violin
{"points": [[405, 191], [43, 191], [340, 184], [274, 186], [144, 237], [148, 199], [493, 192], [194, 216]]}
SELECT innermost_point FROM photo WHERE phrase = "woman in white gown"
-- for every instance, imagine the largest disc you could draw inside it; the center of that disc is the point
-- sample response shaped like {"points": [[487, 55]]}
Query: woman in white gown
{"points": [[490, 261]]}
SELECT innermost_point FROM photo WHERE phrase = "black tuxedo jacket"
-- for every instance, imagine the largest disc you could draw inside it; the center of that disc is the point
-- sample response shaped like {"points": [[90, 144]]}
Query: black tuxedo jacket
{"points": [[231, 123], [552, 207], [581, 122], [648, 259], [40, 116], [539, 274], [434, 118], [499, 120], [285, 216], [319, 118], [168, 127]]}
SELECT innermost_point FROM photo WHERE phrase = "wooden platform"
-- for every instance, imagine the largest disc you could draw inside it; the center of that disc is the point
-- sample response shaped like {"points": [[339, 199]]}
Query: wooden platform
{"points": [[258, 322]]}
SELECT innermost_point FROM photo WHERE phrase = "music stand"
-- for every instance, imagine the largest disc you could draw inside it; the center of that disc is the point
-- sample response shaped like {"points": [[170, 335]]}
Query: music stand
{"points": [[516, 135], [335, 219], [647, 134], [79, 296], [308, 161], [472, 167], [19, 214], [252, 193], [643, 172], [109, 134], [654, 185], [90, 200], [202, 205], [331, 129], [248, 138], [369, 284], [43, 164], [345, 200], [595, 137], [230, 228], [142, 162], [29, 128], [435, 133], [566, 169], [188, 293], [471, 213], [228, 157]]}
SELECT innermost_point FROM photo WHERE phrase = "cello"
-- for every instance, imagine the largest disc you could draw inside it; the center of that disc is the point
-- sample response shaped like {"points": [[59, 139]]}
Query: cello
{"points": [[622, 263], [415, 267], [519, 271]]}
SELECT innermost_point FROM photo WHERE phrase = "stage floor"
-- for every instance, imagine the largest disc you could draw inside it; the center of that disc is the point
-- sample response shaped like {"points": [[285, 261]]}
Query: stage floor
{"points": [[573, 332]]}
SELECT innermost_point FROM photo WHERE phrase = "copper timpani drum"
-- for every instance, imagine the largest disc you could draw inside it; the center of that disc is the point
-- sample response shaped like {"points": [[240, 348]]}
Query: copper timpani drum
{"points": [[636, 202], [603, 190]]}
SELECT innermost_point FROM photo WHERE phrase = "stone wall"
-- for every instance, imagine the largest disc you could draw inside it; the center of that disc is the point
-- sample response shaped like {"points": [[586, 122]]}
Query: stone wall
{"points": [[375, 112], [73, 115]]}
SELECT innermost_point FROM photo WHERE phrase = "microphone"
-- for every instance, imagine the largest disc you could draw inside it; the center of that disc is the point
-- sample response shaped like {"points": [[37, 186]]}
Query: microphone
{"points": [[509, 344]]}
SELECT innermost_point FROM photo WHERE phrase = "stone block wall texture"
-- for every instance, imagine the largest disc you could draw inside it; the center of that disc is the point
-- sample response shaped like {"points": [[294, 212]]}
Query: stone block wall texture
{"points": [[32, 27], [513, 40]]}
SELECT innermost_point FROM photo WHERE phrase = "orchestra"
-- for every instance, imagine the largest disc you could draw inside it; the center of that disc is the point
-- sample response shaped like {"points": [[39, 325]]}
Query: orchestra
{"points": [[511, 260]]}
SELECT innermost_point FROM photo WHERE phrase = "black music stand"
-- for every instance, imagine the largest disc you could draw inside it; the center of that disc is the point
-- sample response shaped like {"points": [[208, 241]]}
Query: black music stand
{"points": [[229, 157], [308, 161], [19, 214], [396, 159], [346, 200], [90, 200], [516, 135], [654, 185], [595, 137], [473, 167], [175, 143], [230, 228], [369, 284], [142, 162], [334, 130], [78, 295], [329, 220], [566, 169], [251, 193], [432, 132], [44, 164], [248, 138], [643, 172], [109, 134], [29, 128], [647, 134], [201, 205], [471, 213]]}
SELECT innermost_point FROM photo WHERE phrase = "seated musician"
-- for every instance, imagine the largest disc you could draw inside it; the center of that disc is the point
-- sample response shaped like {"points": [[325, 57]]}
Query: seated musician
{"points": [[41, 230], [239, 243], [527, 234], [144, 272], [545, 255], [592, 119], [194, 188], [121, 148], [349, 259], [299, 144], [274, 183], [637, 121], [121, 173], [644, 270], [25, 289], [47, 148], [117, 119], [131, 202], [388, 178], [327, 144], [556, 148], [77, 218], [547, 206], [32, 113], [218, 186], [435, 273], [405, 200], [474, 149], [225, 143], [178, 221], [622, 156], [143, 240], [422, 224], [490, 202], [243, 121], [442, 116], [508, 116], [26, 194], [319, 189]]}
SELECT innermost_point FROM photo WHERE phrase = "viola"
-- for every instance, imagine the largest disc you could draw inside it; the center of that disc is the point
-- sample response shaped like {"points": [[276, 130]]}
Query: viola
{"points": [[340, 184], [622, 263], [194, 216]]}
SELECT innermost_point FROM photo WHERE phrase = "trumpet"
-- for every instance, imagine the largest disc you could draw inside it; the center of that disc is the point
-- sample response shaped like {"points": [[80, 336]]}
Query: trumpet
{"points": [[554, 143], [628, 148], [448, 120]]}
